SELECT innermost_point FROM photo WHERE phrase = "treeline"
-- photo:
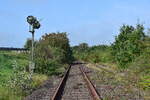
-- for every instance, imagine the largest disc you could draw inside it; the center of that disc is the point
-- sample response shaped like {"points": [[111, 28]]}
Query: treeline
{"points": [[94, 54], [131, 43], [52, 51]]}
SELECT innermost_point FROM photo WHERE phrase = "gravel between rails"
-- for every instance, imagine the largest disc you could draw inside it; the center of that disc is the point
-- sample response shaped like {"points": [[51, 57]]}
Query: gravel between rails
{"points": [[76, 88]]}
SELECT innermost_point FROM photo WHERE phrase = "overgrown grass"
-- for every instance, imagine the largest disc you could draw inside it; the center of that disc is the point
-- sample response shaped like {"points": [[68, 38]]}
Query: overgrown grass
{"points": [[7, 58], [14, 76], [38, 79], [6, 72], [131, 81], [137, 74], [8, 75], [7, 93], [141, 67]]}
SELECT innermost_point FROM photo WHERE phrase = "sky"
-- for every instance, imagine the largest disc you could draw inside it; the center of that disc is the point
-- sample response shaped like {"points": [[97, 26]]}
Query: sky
{"points": [[91, 21]]}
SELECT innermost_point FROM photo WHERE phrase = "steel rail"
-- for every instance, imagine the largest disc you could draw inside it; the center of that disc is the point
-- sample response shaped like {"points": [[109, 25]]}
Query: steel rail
{"points": [[91, 87], [59, 90], [58, 93]]}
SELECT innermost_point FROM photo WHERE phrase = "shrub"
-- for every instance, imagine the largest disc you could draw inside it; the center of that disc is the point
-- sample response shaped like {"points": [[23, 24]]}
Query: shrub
{"points": [[128, 44], [20, 79], [52, 52]]}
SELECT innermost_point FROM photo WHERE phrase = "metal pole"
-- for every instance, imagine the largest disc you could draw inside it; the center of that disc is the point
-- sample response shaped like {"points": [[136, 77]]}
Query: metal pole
{"points": [[32, 50], [32, 46], [32, 65]]}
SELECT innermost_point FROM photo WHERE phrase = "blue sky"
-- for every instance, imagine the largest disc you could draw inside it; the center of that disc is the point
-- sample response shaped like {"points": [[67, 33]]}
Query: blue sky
{"points": [[91, 21]]}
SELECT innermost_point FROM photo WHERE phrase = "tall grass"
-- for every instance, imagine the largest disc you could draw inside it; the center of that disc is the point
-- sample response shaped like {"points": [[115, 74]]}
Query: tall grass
{"points": [[15, 82]]}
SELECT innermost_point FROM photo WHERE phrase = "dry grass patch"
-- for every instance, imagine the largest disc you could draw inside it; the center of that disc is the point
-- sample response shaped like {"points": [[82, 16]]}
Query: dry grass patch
{"points": [[39, 79]]}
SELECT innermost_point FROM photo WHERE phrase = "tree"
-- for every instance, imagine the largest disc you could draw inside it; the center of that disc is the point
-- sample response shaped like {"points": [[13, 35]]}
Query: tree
{"points": [[83, 47], [51, 52], [28, 43], [128, 44]]}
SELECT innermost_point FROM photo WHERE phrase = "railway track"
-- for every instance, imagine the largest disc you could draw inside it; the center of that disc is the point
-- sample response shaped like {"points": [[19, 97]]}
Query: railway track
{"points": [[79, 82], [75, 85]]}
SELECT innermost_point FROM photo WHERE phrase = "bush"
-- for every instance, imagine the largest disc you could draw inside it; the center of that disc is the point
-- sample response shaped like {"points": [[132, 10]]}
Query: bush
{"points": [[94, 54], [52, 52], [20, 79], [128, 44]]}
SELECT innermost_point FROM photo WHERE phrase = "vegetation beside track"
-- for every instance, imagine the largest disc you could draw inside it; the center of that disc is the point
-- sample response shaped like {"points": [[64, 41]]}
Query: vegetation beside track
{"points": [[52, 53], [124, 82], [52, 56], [15, 82], [129, 55]]}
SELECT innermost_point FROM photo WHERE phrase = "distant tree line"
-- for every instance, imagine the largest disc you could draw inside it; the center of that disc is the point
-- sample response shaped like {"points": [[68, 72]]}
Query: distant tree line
{"points": [[53, 49], [128, 45]]}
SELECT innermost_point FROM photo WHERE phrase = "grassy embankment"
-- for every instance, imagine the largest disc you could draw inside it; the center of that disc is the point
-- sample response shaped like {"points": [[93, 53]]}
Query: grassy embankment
{"points": [[52, 56], [12, 72]]}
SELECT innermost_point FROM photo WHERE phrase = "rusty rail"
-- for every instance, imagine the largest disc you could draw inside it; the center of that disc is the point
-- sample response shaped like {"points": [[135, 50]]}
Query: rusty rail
{"points": [[58, 93], [91, 87]]}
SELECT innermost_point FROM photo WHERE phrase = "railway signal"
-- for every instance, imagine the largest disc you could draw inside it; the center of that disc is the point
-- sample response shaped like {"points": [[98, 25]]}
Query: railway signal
{"points": [[33, 24]]}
